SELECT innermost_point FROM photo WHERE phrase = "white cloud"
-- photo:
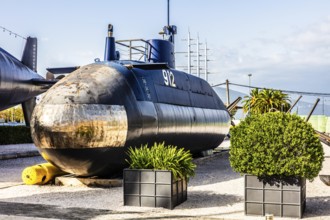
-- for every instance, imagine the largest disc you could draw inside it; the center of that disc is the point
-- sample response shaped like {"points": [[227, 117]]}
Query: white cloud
{"points": [[300, 60], [44, 39]]}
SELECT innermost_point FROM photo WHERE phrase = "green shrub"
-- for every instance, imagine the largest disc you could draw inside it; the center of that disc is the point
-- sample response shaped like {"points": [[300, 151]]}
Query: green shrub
{"points": [[276, 144], [161, 157], [15, 135]]}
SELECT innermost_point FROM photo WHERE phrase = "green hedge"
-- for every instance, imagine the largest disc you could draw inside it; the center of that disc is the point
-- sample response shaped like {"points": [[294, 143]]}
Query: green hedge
{"points": [[15, 135], [276, 144]]}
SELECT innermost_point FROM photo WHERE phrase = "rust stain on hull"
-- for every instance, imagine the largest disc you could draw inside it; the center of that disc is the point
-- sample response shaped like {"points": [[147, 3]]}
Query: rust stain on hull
{"points": [[79, 126]]}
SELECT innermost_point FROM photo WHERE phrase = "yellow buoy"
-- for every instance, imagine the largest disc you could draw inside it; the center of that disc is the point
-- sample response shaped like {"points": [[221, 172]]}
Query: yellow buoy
{"points": [[40, 174]]}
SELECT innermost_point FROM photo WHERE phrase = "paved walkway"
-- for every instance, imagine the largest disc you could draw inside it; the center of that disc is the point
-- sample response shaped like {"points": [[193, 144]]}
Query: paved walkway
{"points": [[326, 164], [17, 151], [13, 151]]}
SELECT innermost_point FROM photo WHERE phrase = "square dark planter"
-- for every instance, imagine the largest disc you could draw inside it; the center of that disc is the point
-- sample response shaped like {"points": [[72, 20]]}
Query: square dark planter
{"points": [[285, 198], [153, 188]]}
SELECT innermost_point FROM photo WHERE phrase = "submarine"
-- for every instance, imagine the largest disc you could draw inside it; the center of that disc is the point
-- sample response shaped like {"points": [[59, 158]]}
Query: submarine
{"points": [[19, 81], [86, 122]]}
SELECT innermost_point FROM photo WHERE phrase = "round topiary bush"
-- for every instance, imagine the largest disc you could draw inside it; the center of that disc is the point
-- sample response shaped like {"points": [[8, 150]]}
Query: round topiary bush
{"points": [[276, 144]]}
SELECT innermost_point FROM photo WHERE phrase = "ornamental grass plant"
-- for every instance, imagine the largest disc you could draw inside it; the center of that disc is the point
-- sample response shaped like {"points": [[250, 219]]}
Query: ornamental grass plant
{"points": [[276, 144], [162, 157]]}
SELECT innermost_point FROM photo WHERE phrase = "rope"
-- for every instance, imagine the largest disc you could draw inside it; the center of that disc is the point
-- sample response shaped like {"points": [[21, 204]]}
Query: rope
{"points": [[285, 91], [12, 33]]}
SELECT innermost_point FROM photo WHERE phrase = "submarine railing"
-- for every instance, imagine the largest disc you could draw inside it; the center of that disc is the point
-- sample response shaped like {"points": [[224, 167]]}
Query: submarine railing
{"points": [[294, 104], [232, 105], [312, 110], [323, 137], [133, 48]]}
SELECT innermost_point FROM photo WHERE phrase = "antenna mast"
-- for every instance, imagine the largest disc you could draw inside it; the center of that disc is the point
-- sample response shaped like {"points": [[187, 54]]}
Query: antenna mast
{"points": [[168, 12], [169, 30]]}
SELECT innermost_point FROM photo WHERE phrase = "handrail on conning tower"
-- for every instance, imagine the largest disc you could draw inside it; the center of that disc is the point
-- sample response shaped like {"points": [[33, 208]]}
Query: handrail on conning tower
{"points": [[135, 47]]}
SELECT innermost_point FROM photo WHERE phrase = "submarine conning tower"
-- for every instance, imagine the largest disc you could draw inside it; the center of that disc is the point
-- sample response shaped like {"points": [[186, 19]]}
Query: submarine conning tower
{"points": [[162, 51], [157, 50]]}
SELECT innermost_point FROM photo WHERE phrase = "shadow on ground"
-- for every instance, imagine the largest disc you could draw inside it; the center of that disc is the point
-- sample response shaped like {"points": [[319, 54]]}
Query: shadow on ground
{"points": [[186, 217], [317, 206], [48, 211], [197, 199]]}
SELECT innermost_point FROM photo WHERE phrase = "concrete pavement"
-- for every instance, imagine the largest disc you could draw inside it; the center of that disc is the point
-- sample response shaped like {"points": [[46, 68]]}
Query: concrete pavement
{"points": [[13, 151]]}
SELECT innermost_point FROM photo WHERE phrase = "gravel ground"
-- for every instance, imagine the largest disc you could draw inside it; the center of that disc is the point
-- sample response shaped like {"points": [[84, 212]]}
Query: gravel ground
{"points": [[216, 192]]}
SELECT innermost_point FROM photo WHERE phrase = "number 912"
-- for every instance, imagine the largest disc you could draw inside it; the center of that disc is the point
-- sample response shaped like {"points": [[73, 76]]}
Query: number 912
{"points": [[169, 78]]}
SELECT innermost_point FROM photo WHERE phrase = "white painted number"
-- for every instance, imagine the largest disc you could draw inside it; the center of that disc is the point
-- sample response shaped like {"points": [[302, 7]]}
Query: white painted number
{"points": [[165, 77], [169, 78]]}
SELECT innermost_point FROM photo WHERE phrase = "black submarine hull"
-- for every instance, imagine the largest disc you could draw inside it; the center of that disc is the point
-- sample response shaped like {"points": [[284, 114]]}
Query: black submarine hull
{"points": [[86, 122], [16, 85]]}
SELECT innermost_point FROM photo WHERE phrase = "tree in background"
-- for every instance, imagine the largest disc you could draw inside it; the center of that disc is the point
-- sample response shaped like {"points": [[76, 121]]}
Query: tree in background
{"points": [[266, 100], [12, 114]]}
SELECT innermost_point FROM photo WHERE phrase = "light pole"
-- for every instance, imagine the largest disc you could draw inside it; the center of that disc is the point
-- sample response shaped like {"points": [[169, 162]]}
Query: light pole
{"points": [[250, 91], [249, 82]]}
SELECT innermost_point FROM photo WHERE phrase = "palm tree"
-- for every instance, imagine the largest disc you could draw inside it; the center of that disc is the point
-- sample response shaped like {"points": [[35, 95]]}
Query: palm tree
{"points": [[266, 100], [283, 101], [251, 101]]}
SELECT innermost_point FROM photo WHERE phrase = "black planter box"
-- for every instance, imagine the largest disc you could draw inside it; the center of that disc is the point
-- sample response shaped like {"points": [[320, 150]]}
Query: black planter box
{"points": [[153, 188], [286, 198]]}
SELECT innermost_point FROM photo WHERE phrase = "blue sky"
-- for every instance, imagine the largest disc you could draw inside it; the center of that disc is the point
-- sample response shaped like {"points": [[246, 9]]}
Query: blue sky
{"points": [[284, 44]]}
